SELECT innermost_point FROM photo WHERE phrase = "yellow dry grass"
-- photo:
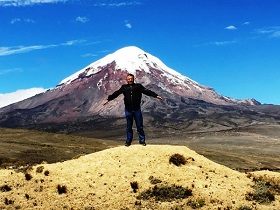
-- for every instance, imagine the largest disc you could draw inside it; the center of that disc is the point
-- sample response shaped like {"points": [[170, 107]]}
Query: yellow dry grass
{"points": [[102, 180]]}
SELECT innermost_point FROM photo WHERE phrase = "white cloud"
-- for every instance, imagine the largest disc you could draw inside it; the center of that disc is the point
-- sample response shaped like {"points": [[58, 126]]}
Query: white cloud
{"points": [[127, 24], [19, 95], [217, 43], [101, 3], [222, 43], [29, 20], [231, 28], [89, 55], [275, 34], [21, 3], [117, 3], [74, 42], [264, 31], [7, 71], [82, 19], [15, 20], [271, 32], [246, 23], [22, 49], [4, 51], [105, 51]]}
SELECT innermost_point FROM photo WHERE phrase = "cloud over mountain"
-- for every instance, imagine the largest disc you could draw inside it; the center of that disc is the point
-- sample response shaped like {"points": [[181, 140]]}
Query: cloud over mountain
{"points": [[19, 95]]}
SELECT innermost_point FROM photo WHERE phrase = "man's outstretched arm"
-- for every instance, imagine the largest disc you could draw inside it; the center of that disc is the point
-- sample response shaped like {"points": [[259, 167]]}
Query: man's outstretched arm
{"points": [[113, 96], [150, 93]]}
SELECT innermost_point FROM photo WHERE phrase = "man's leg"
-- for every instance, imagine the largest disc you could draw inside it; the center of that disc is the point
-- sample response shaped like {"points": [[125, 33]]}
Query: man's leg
{"points": [[129, 123], [139, 124]]}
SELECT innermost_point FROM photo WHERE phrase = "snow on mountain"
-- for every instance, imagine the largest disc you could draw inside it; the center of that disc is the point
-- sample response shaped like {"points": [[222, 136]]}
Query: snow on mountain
{"points": [[130, 59], [134, 60]]}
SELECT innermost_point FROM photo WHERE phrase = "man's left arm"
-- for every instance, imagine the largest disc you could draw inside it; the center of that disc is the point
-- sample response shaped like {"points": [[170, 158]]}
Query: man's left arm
{"points": [[150, 93]]}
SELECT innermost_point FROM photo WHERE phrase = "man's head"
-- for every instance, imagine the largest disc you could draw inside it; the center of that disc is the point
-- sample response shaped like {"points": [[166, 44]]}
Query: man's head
{"points": [[130, 79]]}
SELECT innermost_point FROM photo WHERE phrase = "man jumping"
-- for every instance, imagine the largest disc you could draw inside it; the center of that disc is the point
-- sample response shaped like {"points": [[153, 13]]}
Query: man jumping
{"points": [[132, 98]]}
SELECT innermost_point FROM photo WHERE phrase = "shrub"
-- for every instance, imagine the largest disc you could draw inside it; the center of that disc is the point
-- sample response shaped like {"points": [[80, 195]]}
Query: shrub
{"points": [[47, 173], [165, 193], [5, 188], [196, 204], [40, 169], [8, 201], [261, 193], [271, 182], [28, 177], [177, 159], [244, 208], [61, 189], [134, 186], [154, 180]]}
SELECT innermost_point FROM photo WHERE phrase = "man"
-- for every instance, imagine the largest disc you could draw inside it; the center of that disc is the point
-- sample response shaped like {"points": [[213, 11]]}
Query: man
{"points": [[132, 98]]}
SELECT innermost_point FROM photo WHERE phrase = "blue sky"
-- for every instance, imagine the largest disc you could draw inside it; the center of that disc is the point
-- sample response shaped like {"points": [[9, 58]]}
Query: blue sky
{"points": [[232, 46]]}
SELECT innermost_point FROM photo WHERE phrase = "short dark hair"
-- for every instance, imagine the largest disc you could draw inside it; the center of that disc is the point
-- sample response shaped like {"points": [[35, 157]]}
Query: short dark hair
{"points": [[130, 75]]}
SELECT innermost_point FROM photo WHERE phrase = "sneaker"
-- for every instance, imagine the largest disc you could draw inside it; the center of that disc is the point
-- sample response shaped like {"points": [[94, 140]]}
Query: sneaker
{"points": [[127, 144], [143, 144]]}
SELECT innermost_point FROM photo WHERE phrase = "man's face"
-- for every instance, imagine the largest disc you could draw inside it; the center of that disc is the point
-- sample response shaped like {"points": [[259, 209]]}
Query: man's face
{"points": [[130, 80]]}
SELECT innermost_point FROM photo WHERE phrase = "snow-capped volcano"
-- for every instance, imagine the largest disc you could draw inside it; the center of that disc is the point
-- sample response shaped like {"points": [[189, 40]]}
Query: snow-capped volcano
{"points": [[149, 70], [130, 59], [81, 95]]}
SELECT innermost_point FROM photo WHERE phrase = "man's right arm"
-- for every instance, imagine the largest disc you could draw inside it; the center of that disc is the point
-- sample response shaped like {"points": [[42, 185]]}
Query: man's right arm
{"points": [[114, 95]]}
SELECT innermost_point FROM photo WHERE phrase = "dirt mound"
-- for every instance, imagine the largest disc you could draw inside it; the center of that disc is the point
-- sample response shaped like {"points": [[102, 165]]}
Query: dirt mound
{"points": [[136, 177]]}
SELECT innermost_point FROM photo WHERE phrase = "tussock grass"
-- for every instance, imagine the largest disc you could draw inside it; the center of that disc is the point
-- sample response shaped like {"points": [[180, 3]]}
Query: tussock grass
{"points": [[134, 186], [196, 203], [5, 188], [265, 188], [165, 193], [28, 177], [177, 159], [244, 208], [8, 201], [61, 189], [154, 180], [261, 194], [39, 169]]}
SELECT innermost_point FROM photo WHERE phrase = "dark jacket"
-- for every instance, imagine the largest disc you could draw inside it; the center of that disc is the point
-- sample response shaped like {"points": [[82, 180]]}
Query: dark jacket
{"points": [[132, 95]]}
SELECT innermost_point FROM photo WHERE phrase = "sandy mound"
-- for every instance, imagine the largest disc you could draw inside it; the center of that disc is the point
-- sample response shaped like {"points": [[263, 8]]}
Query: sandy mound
{"points": [[104, 180]]}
